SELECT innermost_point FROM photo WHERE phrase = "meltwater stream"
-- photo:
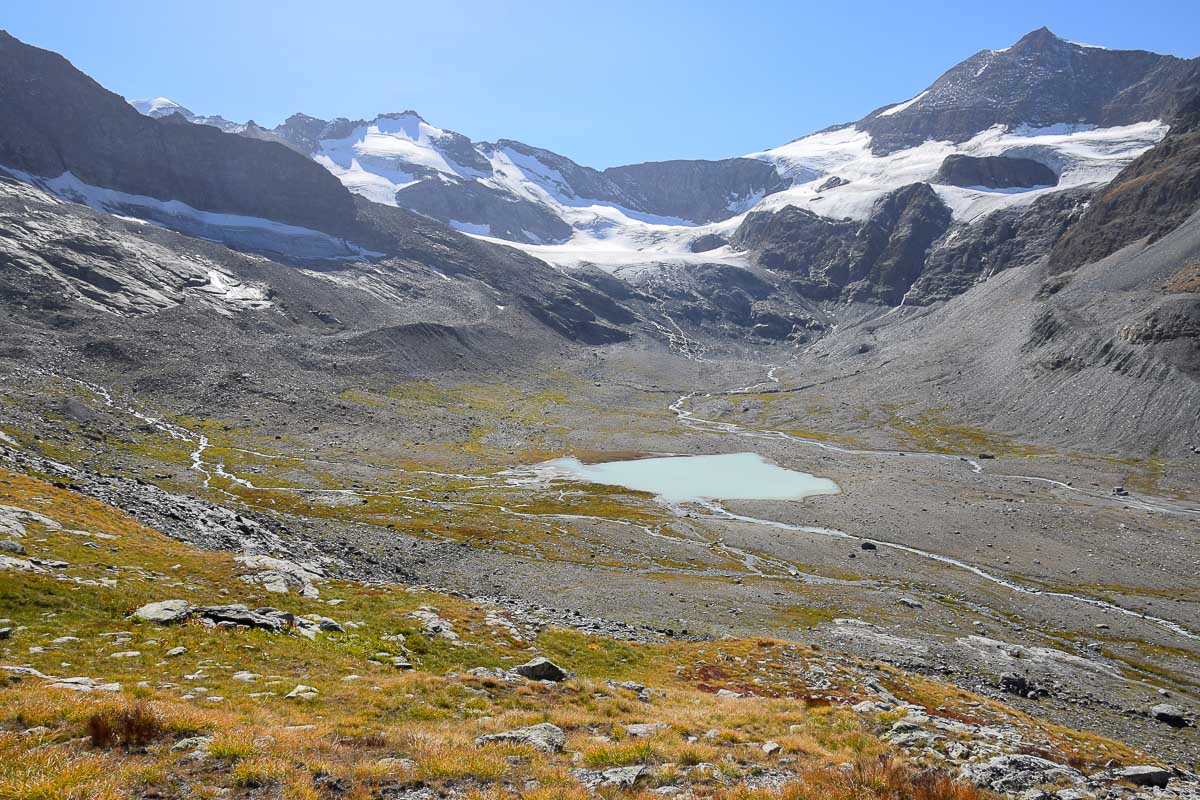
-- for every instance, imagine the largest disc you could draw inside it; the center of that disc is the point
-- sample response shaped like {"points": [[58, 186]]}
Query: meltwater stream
{"points": [[728, 477], [705, 480]]}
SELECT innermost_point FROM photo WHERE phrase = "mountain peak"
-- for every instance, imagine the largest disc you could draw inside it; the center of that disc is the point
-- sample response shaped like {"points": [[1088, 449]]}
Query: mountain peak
{"points": [[406, 114], [1040, 81], [160, 107], [1038, 39]]}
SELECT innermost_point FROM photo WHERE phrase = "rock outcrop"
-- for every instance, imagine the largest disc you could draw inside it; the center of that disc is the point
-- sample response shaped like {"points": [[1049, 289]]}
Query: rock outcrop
{"points": [[1013, 237], [994, 172], [698, 191], [878, 260], [1148, 199]]}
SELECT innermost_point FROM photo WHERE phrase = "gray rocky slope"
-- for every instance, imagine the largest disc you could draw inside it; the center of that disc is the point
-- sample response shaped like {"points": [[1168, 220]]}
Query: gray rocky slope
{"points": [[1042, 80], [1103, 359]]}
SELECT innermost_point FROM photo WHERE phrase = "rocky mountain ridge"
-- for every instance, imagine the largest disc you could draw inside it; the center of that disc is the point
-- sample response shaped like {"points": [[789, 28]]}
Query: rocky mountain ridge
{"points": [[508, 188], [1042, 80]]}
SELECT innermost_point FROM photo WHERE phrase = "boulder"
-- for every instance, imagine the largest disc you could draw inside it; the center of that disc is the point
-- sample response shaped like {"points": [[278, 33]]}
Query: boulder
{"points": [[545, 737], [541, 669], [326, 624], [616, 776], [622, 776], [433, 625], [1170, 715], [164, 612], [237, 614], [1144, 775], [301, 692], [192, 743], [1018, 773]]}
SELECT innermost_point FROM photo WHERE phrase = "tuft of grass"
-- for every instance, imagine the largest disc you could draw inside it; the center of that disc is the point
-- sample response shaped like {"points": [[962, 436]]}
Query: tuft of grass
{"points": [[619, 754], [236, 745], [54, 773], [134, 725], [260, 772]]}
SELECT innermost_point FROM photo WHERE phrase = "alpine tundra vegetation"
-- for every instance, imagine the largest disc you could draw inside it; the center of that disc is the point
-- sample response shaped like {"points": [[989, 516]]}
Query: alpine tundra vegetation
{"points": [[356, 458]]}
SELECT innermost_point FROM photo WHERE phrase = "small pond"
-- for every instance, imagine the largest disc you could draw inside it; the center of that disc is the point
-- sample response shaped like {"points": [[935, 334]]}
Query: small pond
{"points": [[679, 479]]}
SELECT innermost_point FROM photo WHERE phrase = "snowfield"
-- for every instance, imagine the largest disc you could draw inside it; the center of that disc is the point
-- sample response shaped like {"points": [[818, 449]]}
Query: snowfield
{"points": [[379, 158], [1080, 155]]}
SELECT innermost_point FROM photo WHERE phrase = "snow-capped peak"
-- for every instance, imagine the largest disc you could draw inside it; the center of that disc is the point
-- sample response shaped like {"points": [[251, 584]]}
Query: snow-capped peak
{"points": [[159, 107]]}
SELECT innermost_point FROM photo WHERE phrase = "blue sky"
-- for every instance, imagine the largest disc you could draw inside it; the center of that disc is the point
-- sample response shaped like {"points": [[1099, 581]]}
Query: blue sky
{"points": [[602, 82]]}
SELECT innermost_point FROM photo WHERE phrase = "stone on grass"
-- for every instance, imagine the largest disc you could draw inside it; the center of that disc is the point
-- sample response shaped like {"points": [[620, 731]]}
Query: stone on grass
{"points": [[541, 669], [192, 743], [771, 748], [164, 612], [645, 729], [622, 776], [301, 692], [545, 737]]}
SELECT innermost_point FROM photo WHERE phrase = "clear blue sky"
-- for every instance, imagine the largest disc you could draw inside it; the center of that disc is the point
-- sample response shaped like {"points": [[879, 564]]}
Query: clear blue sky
{"points": [[605, 82]]}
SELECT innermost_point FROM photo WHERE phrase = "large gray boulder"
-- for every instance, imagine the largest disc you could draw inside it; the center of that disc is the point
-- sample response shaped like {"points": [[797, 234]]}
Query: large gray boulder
{"points": [[164, 612], [541, 669], [1144, 775], [545, 737], [1174, 716]]}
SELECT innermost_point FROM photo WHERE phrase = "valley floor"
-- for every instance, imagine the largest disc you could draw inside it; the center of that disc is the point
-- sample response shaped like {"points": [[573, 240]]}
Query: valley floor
{"points": [[952, 552]]}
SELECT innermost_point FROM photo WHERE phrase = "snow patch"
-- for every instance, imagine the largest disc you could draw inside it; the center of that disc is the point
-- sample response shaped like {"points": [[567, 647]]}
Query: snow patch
{"points": [[254, 233], [158, 107], [896, 109], [471, 227]]}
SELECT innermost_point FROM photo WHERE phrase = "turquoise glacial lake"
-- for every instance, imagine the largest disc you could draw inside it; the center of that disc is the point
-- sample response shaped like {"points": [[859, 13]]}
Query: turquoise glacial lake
{"points": [[680, 479]]}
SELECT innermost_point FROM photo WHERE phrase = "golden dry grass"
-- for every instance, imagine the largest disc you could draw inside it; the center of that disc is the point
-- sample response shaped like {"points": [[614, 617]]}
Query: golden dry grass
{"points": [[389, 729]]}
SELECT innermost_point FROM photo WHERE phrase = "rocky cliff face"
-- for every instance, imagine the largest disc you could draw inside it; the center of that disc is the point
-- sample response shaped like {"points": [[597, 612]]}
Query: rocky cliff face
{"points": [[699, 191], [55, 119], [874, 261], [492, 212], [994, 172], [1151, 197], [1041, 80], [1014, 237]]}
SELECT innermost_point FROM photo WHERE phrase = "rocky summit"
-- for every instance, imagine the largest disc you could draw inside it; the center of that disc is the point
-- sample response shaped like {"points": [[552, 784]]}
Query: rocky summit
{"points": [[353, 457]]}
